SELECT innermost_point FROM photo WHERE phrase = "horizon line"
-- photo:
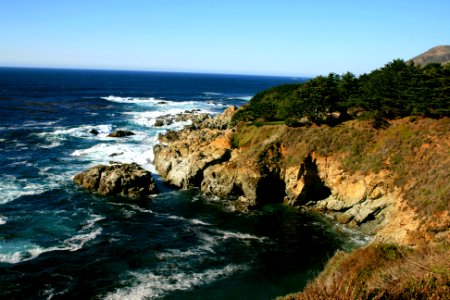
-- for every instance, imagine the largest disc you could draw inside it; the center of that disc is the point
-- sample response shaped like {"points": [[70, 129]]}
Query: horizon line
{"points": [[153, 71]]}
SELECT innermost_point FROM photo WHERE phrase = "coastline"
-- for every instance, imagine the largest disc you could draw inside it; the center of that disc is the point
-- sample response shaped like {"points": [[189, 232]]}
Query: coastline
{"points": [[255, 166]]}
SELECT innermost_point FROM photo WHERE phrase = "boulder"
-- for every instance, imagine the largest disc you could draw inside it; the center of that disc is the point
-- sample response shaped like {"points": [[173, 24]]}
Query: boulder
{"points": [[128, 180], [120, 133]]}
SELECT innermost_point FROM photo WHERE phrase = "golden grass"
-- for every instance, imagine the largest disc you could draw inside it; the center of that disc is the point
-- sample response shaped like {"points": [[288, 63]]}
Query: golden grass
{"points": [[416, 153], [383, 271]]}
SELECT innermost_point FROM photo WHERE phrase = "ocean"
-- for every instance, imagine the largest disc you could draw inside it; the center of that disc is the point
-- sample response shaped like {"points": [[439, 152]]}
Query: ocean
{"points": [[58, 241]]}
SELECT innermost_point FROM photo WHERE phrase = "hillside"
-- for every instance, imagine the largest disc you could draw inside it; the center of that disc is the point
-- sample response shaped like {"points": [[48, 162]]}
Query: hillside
{"points": [[438, 54], [371, 152], [391, 182]]}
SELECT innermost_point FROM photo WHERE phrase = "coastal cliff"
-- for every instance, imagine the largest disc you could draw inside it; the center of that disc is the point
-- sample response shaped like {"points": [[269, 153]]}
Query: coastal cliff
{"points": [[390, 182], [335, 170]]}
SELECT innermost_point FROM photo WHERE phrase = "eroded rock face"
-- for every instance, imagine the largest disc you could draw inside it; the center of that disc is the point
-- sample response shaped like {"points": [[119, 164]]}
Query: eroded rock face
{"points": [[352, 199], [204, 157], [117, 179], [183, 156]]}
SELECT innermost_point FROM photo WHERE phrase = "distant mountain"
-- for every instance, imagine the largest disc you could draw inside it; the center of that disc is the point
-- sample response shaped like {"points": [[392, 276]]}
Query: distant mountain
{"points": [[439, 54]]}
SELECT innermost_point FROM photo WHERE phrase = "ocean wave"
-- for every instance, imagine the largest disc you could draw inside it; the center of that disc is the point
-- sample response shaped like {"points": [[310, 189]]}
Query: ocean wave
{"points": [[150, 285], [3, 220], [212, 94], [133, 207], [84, 131], [135, 100], [140, 153], [16, 251], [238, 235], [191, 221], [12, 188], [40, 124]]}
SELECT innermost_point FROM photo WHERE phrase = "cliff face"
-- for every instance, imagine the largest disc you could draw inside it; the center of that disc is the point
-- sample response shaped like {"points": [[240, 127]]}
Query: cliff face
{"points": [[319, 168]]}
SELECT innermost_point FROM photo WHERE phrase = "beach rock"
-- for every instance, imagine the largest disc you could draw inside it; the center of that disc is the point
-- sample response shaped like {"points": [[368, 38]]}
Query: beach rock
{"points": [[120, 133], [117, 179]]}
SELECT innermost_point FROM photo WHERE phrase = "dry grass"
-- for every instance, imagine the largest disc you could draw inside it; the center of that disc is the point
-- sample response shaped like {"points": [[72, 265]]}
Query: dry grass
{"points": [[383, 272], [415, 152]]}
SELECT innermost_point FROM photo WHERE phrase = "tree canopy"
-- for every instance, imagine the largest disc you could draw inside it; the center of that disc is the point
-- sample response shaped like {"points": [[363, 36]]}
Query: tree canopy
{"points": [[398, 89]]}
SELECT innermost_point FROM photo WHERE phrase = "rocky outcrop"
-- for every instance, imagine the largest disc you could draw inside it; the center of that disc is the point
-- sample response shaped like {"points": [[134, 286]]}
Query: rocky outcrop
{"points": [[253, 166], [189, 115], [183, 156], [120, 133], [252, 181], [128, 180], [354, 199]]}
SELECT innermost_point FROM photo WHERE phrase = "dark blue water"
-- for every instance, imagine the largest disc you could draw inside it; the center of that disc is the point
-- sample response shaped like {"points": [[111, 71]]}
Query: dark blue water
{"points": [[59, 242]]}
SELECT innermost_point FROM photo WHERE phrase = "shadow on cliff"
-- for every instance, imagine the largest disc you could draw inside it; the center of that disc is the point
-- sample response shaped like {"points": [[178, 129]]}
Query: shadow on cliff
{"points": [[314, 188], [271, 187]]}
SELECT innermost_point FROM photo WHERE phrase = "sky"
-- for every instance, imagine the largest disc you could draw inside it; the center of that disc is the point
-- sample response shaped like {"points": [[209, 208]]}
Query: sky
{"points": [[262, 37]]}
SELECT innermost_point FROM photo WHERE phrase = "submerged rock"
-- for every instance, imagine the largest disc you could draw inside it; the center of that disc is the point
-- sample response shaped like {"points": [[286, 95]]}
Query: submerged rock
{"points": [[117, 179], [120, 133]]}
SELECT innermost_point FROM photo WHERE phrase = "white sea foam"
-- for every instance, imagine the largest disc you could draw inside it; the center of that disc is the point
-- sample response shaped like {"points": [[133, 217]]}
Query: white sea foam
{"points": [[212, 94], [176, 253], [132, 100], [355, 237], [150, 285], [192, 221], [77, 242], [39, 124], [20, 163], [240, 236], [61, 133], [20, 250], [134, 207], [12, 188], [140, 153], [3, 220]]}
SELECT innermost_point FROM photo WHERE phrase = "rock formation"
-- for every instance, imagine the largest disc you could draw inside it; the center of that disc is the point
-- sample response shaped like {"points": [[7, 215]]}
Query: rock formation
{"points": [[253, 166], [184, 156], [128, 180], [120, 133]]}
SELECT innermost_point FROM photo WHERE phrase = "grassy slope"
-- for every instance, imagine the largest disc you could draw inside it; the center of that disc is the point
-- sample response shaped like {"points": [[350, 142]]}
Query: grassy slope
{"points": [[416, 152]]}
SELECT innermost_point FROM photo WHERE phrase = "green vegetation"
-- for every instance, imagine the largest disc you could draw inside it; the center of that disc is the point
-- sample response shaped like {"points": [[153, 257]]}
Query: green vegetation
{"points": [[398, 89]]}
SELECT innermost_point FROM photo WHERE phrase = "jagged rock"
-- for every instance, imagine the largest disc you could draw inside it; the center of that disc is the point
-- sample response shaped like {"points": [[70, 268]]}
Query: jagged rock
{"points": [[117, 179], [221, 121], [233, 181], [182, 165], [120, 133]]}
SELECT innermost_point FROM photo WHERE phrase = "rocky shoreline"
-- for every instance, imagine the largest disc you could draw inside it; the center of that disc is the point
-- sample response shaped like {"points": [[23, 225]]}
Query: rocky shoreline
{"points": [[207, 158], [251, 166]]}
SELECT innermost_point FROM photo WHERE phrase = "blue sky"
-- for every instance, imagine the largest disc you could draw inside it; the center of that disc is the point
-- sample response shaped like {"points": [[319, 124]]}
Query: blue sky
{"points": [[279, 37]]}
